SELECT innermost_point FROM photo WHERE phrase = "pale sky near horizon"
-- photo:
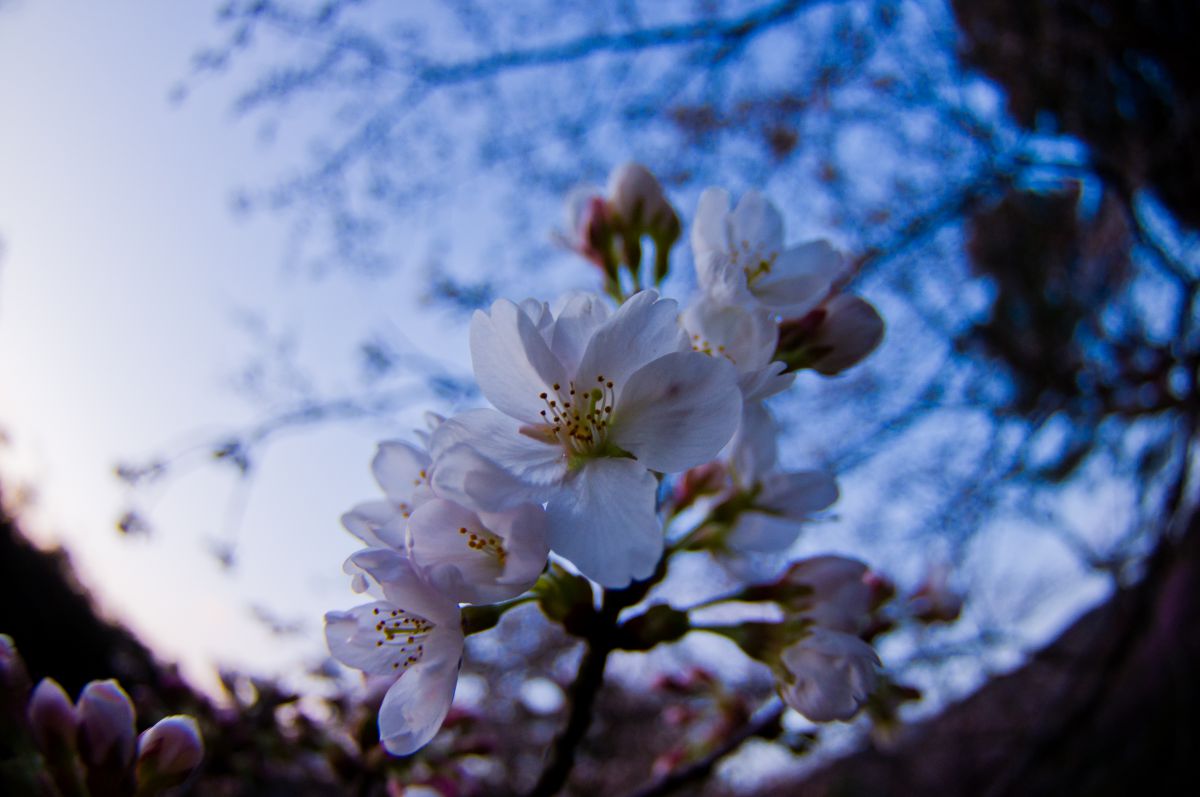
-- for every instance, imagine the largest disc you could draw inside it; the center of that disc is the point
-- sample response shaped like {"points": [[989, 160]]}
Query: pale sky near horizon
{"points": [[121, 269]]}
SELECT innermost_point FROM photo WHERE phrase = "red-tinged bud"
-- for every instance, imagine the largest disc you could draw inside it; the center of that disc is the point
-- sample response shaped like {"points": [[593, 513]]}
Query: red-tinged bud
{"points": [[54, 727], [591, 230], [833, 337], [934, 601], [640, 206], [168, 753], [882, 588], [852, 329], [708, 479]]}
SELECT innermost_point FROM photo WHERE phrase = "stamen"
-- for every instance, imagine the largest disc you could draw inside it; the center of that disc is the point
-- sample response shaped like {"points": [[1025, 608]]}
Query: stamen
{"points": [[404, 633]]}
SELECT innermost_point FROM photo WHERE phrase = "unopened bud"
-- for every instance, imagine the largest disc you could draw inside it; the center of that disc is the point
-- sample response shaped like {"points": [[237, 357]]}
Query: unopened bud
{"points": [[934, 601], [52, 718], [566, 598], [168, 752], [637, 198], [106, 724], [590, 229], [831, 338], [852, 329], [641, 207]]}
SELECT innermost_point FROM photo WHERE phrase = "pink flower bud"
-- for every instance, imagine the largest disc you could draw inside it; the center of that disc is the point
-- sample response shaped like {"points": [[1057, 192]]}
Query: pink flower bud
{"points": [[638, 199], [106, 724], [170, 749], [934, 601], [51, 717], [851, 330]]}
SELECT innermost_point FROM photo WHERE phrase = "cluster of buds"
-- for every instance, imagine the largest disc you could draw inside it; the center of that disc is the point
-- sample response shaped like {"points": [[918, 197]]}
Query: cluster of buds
{"points": [[608, 228], [50, 746]]}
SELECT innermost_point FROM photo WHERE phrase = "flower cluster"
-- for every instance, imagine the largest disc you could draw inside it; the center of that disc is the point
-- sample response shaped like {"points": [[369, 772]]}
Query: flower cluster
{"points": [[598, 405]]}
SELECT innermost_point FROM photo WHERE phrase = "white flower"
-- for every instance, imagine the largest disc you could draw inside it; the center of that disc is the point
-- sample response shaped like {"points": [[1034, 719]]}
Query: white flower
{"points": [[403, 473], [827, 675], [589, 406], [482, 557], [740, 256], [415, 635], [778, 502], [744, 335]]}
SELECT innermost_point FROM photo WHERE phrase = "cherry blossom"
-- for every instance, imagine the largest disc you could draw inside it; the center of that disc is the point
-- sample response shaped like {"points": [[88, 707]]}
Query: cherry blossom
{"points": [[740, 256], [588, 407], [478, 557], [402, 471], [415, 635], [772, 504], [827, 675], [744, 335]]}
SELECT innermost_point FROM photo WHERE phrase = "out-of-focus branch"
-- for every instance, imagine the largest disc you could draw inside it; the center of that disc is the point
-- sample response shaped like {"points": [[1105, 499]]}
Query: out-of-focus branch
{"points": [[766, 725]]}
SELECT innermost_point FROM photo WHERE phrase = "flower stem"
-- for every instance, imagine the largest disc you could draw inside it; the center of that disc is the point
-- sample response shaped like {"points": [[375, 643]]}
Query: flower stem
{"points": [[601, 641]]}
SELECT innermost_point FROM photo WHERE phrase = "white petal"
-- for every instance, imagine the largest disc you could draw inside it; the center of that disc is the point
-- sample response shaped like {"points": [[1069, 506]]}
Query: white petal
{"points": [[754, 448], [745, 336], [832, 674], [604, 521], [841, 598], [710, 228], [400, 468], [678, 411], [498, 438], [512, 362], [759, 532], [525, 531], [477, 560], [797, 494], [642, 329], [756, 222], [371, 521], [464, 475], [352, 638], [765, 382], [581, 315], [403, 586], [800, 278], [415, 707]]}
